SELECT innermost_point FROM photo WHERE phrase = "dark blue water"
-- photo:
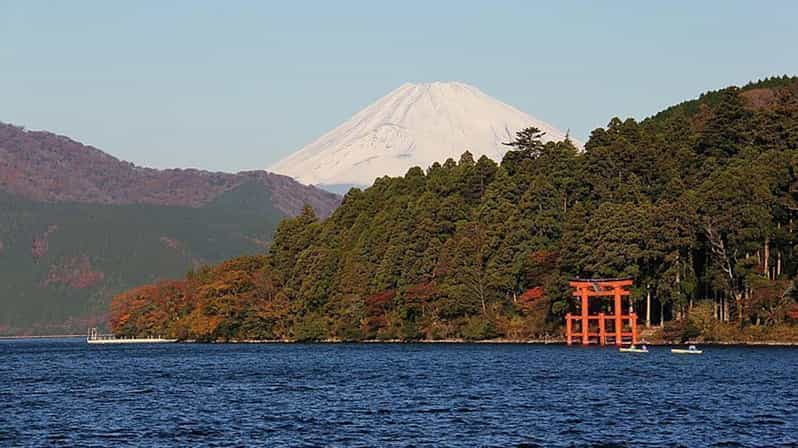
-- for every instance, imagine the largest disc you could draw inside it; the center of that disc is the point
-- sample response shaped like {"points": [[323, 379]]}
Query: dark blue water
{"points": [[66, 393]]}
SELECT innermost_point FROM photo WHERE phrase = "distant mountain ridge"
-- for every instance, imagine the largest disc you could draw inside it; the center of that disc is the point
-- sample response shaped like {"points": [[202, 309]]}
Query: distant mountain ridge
{"points": [[78, 226], [47, 167], [414, 125]]}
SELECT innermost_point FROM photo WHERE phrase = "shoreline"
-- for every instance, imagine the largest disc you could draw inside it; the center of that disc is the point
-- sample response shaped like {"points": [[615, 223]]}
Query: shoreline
{"points": [[52, 336], [553, 341], [500, 341]]}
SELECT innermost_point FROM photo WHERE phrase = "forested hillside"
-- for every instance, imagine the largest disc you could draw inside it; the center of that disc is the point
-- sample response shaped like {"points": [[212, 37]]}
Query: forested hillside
{"points": [[47, 167], [78, 226], [696, 204]]}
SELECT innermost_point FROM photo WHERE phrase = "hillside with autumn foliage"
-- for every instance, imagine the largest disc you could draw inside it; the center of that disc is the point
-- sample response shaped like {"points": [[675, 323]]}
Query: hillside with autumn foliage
{"points": [[78, 226], [46, 167], [697, 204]]}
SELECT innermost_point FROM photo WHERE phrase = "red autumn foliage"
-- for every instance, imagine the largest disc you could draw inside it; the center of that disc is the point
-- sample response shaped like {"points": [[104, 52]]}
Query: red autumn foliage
{"points": [[75, 272], [239, 298], [144, 310], [531, 294], [380, 302], [527, 302], [421, 292], [377, 306], [792, 313]]}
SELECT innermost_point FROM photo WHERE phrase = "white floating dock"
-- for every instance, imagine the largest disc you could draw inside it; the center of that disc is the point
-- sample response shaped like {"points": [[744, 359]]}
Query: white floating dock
{"points": [[95, 337]]}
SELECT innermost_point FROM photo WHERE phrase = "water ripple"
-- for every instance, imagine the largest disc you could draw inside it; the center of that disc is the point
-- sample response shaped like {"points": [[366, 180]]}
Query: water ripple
{"points": [[65, 393]]}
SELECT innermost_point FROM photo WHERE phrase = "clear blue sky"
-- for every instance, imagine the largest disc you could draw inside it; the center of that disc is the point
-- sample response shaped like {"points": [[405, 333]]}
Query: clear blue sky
{"points": [[230, 85]]}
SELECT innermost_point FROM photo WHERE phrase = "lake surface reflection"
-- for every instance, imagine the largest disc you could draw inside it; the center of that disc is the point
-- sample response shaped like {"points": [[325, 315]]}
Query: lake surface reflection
{"points": [[67, 393]]}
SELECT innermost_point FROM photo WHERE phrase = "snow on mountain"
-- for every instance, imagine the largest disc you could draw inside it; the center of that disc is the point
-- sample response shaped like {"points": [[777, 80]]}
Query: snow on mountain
{"points": [[415, 125]]}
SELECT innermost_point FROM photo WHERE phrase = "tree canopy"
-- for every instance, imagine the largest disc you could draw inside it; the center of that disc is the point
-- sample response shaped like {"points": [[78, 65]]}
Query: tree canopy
{"points": [[696, 203]]}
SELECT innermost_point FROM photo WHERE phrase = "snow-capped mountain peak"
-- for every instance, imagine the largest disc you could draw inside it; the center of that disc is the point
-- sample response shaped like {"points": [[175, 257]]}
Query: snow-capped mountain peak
{"points": [[414, 125]]}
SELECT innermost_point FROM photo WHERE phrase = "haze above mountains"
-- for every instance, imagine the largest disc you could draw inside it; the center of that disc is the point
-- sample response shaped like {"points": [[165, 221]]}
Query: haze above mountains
{"points": [[414, 125]]}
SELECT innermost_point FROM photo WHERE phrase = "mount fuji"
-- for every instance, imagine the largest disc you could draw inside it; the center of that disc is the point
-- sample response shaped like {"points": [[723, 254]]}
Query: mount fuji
{"points": [[414, 125]]}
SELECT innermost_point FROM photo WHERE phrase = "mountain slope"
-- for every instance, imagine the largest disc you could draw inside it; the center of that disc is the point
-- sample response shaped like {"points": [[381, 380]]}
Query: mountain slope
{"points": [[49, 167], [415, 125], [77, 226]]}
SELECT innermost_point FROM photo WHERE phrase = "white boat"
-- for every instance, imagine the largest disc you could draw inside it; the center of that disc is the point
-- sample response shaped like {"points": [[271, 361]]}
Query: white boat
{"points": [[94, 337], [692, 350], [633, 349]]}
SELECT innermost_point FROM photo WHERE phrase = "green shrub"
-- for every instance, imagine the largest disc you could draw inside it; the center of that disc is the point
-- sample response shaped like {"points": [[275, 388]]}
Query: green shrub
{"points": [[312, 327], [478, 328]]}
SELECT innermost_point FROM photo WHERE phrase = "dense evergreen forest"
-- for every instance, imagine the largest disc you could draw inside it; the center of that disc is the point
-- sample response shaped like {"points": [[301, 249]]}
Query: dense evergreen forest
{"points": [[696, 204]]}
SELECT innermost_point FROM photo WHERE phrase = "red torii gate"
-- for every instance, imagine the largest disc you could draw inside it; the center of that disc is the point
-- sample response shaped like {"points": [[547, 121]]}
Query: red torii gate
{"points": [[600, 288]]}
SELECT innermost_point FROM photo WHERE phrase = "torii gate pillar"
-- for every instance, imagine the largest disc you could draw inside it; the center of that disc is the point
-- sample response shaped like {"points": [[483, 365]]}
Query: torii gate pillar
{"points": [[601, 288]]}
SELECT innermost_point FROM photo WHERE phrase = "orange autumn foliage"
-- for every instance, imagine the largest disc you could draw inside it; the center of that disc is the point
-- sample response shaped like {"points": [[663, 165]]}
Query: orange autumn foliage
{"points": [[527, 301], [149, 310], [238, 298]]}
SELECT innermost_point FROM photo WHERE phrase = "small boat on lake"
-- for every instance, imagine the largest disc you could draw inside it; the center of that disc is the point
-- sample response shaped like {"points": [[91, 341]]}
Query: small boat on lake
{"points": [[633, 349], [692, 350], [94, 337]]}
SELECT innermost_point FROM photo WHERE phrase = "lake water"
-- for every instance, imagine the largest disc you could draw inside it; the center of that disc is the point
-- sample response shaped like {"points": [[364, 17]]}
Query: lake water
{"points": [[67, 393]]}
